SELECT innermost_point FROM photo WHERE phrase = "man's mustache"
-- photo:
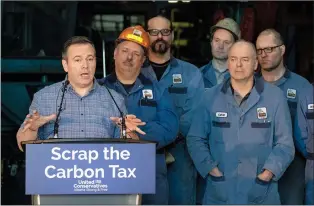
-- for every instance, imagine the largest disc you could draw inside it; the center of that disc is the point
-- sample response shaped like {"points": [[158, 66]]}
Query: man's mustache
{"points": [[128, 63], [160, 40]]}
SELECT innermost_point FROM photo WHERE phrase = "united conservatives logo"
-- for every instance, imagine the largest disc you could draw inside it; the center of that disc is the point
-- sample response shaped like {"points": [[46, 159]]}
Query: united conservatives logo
{"points": [[90, 186]]}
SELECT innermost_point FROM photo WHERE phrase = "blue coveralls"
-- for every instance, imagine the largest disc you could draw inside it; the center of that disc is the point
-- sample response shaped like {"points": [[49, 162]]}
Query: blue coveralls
{"points": [[291, 84], [209, 76], [304, 135], [241, 142], [185, 84], [162, 124], [210, 80]]}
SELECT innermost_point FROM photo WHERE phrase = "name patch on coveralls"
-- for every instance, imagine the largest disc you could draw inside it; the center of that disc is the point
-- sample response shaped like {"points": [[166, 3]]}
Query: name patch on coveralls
{"points": [[262, 113], [310, 106], [291, 93], [221, 114]]}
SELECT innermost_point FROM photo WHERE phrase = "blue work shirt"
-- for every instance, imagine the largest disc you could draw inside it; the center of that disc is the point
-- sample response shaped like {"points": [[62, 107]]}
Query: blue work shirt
{"points": [[291, 84], [241, 141], [210, 75], [152, 105], [184, 83], [304, 123], [304, 133], [81, 117]]}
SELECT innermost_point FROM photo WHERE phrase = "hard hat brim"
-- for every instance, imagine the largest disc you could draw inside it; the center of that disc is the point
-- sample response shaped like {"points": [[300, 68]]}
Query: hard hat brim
{"points": [[118, 41]]}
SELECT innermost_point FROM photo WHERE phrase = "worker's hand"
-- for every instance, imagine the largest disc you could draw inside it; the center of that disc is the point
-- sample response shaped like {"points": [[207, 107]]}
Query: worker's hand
{"points": [[34, 121], [131, 122], [216, 172], [266, 175]]}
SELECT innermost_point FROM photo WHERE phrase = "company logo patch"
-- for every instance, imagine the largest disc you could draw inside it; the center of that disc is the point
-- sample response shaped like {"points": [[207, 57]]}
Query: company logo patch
{"points": [[177, 78], [148, 93], [135, 37], [310, 106], [221, 114], [261, 113], [137, 32], [291, 93]]}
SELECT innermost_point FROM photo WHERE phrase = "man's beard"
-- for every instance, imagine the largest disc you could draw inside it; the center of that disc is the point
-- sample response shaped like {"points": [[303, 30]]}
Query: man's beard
{"points": [[162, 48]]}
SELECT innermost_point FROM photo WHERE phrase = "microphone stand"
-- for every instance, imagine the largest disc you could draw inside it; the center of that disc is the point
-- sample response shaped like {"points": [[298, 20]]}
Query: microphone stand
{"points": [[56, 125], [123, 125]]}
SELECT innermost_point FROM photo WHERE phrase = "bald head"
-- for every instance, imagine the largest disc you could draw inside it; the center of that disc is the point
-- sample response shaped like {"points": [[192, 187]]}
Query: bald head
{"points": [[277, 38], [242, 60], [157, 19], [271, 50], [246, 45]]}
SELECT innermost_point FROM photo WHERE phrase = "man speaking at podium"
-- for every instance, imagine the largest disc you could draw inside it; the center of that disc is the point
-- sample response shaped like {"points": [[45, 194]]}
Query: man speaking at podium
{"points": [[146, 100], [77, 107]]}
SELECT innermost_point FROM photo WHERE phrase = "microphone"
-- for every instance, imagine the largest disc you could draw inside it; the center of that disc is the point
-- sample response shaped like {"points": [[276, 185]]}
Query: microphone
{"points": [[123, 125], [56, 125]]}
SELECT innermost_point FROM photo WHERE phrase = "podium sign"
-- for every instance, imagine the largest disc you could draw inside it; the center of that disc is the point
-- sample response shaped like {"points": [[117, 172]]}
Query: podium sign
{"points": [[90, 168]]}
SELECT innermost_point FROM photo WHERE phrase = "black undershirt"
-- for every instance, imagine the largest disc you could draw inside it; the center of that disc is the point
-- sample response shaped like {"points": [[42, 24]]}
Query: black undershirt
{"points": [[159, 69], [128, 87]]}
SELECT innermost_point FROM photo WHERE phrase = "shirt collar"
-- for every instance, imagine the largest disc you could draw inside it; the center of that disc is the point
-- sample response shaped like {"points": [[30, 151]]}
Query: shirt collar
{"points": [[94, 88]]}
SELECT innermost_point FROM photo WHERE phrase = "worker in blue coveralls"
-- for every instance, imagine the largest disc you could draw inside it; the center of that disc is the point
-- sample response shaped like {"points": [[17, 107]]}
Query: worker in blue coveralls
{"points": [[304, 135], [146, 100], [270, 50], [241, 139], [185, 85], [223, 35]]}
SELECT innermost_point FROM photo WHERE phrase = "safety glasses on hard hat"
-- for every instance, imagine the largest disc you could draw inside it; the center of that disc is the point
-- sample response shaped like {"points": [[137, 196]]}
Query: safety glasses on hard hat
{"points": [[155, 32]]}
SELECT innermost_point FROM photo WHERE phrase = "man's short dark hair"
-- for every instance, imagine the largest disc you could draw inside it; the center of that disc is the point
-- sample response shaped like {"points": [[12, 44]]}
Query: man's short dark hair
{"points": [[75, 40]]}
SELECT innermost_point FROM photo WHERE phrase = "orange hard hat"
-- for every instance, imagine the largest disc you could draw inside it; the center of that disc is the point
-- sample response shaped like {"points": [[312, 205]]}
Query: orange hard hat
{"points": [[135, 34]]}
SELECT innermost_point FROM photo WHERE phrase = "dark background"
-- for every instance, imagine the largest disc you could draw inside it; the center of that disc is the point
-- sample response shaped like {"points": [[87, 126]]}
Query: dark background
{"points": [[33, 34]]}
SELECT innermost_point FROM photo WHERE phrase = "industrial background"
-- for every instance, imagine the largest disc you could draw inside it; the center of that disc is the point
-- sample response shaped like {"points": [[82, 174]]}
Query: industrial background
{"points": [[33, 34]]}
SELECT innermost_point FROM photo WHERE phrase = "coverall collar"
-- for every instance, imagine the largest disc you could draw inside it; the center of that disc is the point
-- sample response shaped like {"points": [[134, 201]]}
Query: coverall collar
{"points": [[252, 100], [209, 73], [140, 82], [173, 62], [281, 80]]}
